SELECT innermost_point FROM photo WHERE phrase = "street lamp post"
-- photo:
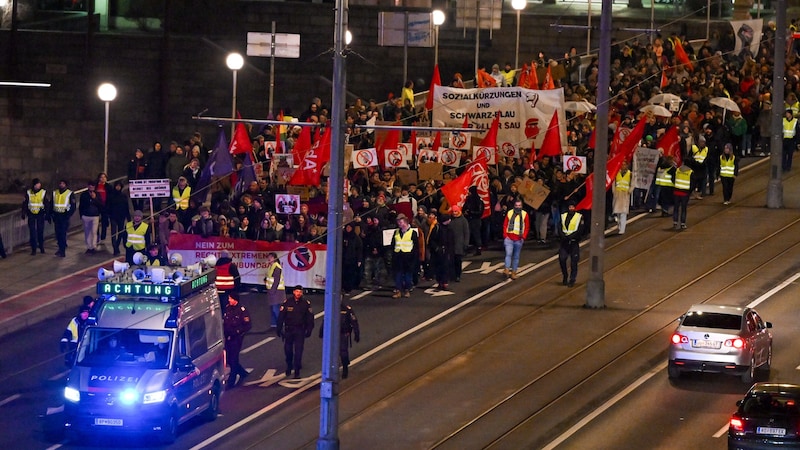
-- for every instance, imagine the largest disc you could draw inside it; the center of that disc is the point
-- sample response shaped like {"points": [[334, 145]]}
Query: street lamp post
{"points": [[107, 93], [234, 62], [438, 20], [518, 5]]}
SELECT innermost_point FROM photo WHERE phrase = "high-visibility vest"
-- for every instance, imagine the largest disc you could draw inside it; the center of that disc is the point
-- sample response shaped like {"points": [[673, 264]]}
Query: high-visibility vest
{"points": [[663, 178], [683, 179], [181, 199], [224, 280], [61, 201], [572, 226], [74, 330], [789, 127], [623, 182], [699, 154], [795, 107], [136, 236], [727, 166], [515, 227], [36, 201], [403, 242], [271, 280]]}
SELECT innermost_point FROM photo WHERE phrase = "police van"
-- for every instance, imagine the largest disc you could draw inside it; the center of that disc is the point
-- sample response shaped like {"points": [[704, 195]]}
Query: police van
{"points": [[152, 356]]}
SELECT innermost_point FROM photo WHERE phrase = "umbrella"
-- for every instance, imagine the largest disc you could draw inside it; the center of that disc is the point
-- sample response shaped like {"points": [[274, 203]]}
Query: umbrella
{"points": [[656, 110], [581, 106], [725, 103], [664, 99]]}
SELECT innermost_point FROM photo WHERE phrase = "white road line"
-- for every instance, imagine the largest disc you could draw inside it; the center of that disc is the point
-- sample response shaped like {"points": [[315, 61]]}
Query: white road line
{"points": [[774, 290], [258, 344], [611, 402], [10, 399], [58, 376], [54, 447], [721, 432]]}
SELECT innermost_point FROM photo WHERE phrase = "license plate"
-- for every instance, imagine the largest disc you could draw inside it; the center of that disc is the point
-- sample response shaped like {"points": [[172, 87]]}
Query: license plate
{"points": [[771, 430], [702, 343], [108, 422]]}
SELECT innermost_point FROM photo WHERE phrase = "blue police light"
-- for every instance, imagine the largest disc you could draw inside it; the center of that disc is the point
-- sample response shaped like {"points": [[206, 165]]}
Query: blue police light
{"points": [[128, 396]]}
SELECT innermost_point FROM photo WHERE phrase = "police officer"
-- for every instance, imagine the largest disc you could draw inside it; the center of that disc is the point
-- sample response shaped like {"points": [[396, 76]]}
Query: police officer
{"points": [[404, 256], [228, 277], [63, 209], [295, 323], [790, 127], [136, 236], [36, 207], [571, 231], [348, 327], [236, 322], [72, 334]]}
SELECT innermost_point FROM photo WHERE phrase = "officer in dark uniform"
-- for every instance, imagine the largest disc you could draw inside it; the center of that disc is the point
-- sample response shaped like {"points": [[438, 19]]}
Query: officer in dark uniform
{"points": [[295, 323], [236, 322], [348, 326], [571, 231]]}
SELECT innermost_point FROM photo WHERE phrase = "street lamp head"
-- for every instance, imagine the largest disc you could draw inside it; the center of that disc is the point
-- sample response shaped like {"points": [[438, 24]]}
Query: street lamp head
{"points": [[234, 61], [519, 5], [438, 17], [348, 37], [107, 92]]}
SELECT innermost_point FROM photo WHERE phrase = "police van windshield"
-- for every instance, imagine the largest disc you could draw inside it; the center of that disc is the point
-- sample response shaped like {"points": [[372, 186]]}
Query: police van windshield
{"points": [[105, 347]]}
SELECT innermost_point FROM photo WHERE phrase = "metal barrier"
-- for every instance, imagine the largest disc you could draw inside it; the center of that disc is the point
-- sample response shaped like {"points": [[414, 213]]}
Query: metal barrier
{"points": [[14, 228]]}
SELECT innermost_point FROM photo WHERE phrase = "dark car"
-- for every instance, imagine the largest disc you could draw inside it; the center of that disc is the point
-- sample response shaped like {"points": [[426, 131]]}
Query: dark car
{"points": [[767, 417]]}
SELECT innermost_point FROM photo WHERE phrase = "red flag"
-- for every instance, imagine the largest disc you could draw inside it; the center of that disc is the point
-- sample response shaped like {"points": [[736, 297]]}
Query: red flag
{"points": [[389, 142], [476, 174], [551, 145], [490, 140], [669, 145], [549, 84], [437, 141], [533, 80], [302, 145], [524, 76], [435, 81], [315, 159], [634, 138], [485, 80], [593, 139], [612, 167], [241, 140], [664, 78], [413, 145], [681, 56]]}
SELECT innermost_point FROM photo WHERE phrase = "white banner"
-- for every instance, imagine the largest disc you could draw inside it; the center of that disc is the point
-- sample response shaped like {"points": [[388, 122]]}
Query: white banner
{"points": [[524, 113], [574, 163], [645, 161], [367, 157], [748, 35], [302, 264]]}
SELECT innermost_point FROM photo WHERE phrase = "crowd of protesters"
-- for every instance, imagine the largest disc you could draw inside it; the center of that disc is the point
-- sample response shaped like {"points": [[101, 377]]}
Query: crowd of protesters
{"points": [[371, 205]]}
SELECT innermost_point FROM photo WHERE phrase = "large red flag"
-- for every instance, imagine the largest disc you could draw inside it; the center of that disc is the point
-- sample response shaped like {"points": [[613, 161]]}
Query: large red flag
{"points": [[436, 80], [593, 139], [681, 56], [490, 140], [664, 78], [524, 77], [551, 145], [476, 174], [628, 146], [533, 80], [241, 142], [669, 145], [549, 84], [485, 80], [437, 141], [389, 142], [612, 167]]}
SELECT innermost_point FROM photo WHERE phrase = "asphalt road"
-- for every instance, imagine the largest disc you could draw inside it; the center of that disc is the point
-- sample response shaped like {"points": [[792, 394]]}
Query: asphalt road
{"points": [[497, 364]]}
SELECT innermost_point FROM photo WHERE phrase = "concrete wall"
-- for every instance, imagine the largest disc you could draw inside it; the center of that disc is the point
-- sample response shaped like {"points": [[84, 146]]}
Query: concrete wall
{"points": [[58, 132]]}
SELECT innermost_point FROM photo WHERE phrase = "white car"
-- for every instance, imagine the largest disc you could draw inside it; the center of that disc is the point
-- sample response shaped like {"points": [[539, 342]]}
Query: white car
{"points": [[721, 339]]}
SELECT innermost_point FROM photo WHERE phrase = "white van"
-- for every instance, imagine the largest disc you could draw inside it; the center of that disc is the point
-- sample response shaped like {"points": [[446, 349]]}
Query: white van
{"points": [[152, 357]]}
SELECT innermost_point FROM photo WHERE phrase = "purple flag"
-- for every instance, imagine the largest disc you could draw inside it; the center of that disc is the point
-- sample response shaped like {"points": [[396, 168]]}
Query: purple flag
{"points": [[219, 164]]}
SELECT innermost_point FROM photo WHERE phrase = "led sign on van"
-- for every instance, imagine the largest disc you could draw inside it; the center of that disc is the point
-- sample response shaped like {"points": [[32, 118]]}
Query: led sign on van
{"points": [[143, 289], [199, 281]]}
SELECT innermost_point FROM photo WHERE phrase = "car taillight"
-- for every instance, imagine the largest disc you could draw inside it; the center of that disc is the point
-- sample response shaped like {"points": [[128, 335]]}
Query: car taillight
{"points": [[679, 339], [735, 343], [736, 424]]}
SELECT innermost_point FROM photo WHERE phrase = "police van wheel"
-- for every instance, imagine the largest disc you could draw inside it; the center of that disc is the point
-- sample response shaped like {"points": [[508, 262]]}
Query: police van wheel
{"points": [[210, 414], [170, 430]]}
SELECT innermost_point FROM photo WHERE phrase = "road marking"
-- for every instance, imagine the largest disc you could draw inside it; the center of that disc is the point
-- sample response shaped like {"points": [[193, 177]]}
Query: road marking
{"points": [[10, 399], [723, 430], [258, 344], [59, 376], [774, 290], [361, 295], [608, 404], [437, 293]]}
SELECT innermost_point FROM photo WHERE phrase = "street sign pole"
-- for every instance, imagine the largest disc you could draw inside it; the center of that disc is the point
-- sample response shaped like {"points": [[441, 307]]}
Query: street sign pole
{"points": [[271, 69]]}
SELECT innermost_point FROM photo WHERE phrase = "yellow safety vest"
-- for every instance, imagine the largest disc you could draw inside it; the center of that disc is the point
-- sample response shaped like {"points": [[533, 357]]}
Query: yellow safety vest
{"points": [[36, 201], [61, 201], [136, 236], [572, 226], [73, 330], [181, 199], [271, 280], [623, 182], [683, 179], [699, 154], [403, 243], [726, 166], [663, 178], [516, 226], [795, 107], [789, 127]]}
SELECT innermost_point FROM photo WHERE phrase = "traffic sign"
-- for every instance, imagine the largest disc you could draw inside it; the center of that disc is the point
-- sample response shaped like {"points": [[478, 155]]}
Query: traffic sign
{"points": [[286, 45], [149, 188]]}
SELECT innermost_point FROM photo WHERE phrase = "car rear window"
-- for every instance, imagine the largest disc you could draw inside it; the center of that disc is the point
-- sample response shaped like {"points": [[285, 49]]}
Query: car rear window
{"points": [[771, 405], [713, 320]]}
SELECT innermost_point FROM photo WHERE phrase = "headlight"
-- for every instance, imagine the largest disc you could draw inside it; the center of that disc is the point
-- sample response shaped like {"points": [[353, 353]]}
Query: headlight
{"points": [[72, 394], [155, 397], [128, 396]]}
